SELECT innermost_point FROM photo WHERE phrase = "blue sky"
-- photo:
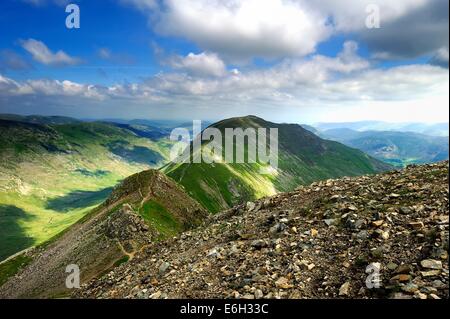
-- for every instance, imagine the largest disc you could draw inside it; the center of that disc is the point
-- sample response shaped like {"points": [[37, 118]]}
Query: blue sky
{"points": [[285, 60], [105, 24]]}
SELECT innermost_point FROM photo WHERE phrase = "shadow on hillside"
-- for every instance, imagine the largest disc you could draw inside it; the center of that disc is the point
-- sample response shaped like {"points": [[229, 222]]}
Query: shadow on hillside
{"points": [[12, 236], [78, 199], [137, 154]]}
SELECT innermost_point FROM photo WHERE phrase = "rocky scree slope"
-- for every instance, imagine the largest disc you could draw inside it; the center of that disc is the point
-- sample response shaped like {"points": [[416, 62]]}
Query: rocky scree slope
{"points": [[145, 207], [314, 242]]}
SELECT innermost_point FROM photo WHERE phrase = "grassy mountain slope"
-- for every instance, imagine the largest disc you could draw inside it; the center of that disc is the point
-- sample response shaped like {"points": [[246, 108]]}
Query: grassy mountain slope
{"points": [[303, 158], [396, 148], [145, 207], [51, 175]]}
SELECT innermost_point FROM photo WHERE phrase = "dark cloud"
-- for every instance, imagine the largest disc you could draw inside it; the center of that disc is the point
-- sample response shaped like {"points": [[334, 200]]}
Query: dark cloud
{"points": [[422, 31]]}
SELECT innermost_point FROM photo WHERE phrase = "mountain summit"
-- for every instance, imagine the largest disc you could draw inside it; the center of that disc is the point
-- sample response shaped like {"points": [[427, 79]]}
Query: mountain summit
{"points": [[302, 159]]}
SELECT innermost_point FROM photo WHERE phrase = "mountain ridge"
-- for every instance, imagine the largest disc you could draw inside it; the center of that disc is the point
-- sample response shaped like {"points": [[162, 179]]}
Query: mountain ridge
{"points": [[303, 158], [318, 241], [397, 148], [145, 207]]}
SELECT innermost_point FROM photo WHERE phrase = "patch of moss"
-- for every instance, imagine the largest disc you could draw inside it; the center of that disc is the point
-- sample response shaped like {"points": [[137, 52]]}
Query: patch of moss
{"points": [[158, 216], [121, 261]]}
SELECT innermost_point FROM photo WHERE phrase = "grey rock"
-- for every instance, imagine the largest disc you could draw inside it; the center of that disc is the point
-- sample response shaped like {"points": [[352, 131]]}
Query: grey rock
{"points": [[163, 267], [431, 264]]}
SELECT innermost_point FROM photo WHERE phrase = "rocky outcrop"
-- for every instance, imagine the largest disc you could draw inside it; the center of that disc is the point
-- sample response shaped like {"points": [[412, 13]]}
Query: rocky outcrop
{"points": [[93, 246], [382, 236], [111, 234]]}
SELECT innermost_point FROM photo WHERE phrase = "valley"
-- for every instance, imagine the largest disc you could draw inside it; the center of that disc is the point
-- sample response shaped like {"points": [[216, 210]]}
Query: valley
{"points": [[427, 144], [51, 175], [146, 207], [207, 151]]}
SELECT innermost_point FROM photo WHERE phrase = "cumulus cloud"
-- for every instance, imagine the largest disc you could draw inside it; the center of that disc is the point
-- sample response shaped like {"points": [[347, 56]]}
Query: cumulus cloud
{"points": [[240, 30], [203, 64], [42, 54], [320, 80], [409, 28], [420, 30], [440, 58], [351, 15], [54, 88]]}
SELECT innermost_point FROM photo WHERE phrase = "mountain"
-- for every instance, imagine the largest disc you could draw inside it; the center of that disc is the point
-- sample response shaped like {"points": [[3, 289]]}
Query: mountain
{"points": [[303, 158], [52, 174], [326, 240], [434, 129], [147, 131], [39, 119], [144, 208], [396, 148]]}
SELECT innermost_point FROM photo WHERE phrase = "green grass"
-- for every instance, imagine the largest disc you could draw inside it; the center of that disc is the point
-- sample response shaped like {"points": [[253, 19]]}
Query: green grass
{"points": [[221, 185], [121, 261], [157, 216], [303, 158], [50, 177], [26, 222], [11, 267]]}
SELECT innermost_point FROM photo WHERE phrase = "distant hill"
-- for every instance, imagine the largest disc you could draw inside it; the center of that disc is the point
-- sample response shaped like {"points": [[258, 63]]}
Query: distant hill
{"points": [[437, 129], [39, 119], [143, 130], [397, 148], [52, 174], [303, 158]]}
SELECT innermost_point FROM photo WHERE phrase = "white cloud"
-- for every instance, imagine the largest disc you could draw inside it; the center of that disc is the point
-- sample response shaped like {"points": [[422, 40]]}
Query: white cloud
{"points": [[203, 64], [142, 4], [409, 28], [440, 58], [52, 88], [342, 83], [442, 54], [104, 53], [42, 54], [240, 30], [402, 83]]}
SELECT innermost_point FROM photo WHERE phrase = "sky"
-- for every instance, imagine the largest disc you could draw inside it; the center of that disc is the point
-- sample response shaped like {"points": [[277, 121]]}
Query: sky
{"points": [[293, 61]]}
